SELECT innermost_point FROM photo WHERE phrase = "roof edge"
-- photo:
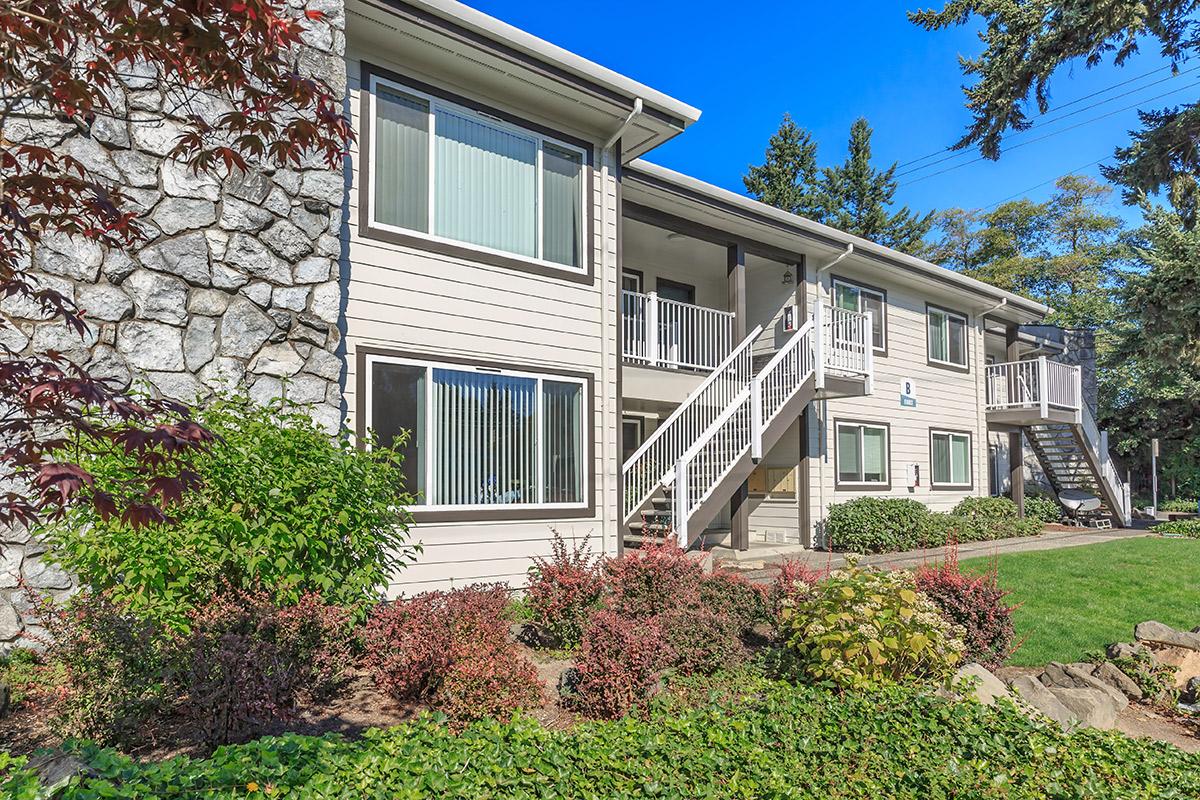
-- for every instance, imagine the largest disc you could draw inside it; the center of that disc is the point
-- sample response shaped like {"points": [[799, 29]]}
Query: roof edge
{"points": [[826, 234]]}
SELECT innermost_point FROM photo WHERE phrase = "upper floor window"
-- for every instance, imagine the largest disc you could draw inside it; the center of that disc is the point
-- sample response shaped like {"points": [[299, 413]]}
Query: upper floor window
{"points": [[947, 337], [481, 437], [855, 297], [454, 174]]}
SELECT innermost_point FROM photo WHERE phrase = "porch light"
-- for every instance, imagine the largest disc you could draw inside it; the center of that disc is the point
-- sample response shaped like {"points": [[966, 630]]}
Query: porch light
{"points": [[787, 277]]}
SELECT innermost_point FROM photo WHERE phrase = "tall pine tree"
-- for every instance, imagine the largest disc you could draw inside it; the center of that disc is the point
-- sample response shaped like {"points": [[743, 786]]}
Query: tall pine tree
{"points": [[853, 197], [858, 198]]}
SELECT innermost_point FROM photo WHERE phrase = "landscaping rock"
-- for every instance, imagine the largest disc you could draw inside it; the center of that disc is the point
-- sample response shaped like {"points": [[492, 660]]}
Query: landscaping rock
{"points": [[1124, 650], [1041, 699], [1191, 693], [4, 696], [986, 686], [1091, 708], [1079, 676], [1185, 661], [55, 769], [1114, 677], [10, 622], [1158, 633]]}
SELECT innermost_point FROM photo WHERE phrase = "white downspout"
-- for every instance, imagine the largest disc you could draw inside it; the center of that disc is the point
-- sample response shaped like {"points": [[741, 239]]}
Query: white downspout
{"points": [[984, 456], [821, 270], [823, 414], [610, 517]]}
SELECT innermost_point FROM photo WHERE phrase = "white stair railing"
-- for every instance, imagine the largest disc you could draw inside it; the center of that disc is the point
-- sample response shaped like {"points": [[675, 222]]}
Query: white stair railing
{"points": [[845, 339], [740, 428], [652, 464], [668, 333], [1033, 384], [1117, 487]]}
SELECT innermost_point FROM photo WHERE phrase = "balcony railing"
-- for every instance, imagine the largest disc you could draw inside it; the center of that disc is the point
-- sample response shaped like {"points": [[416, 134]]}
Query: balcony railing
{"points": [[1035, 384], [667, 333]]}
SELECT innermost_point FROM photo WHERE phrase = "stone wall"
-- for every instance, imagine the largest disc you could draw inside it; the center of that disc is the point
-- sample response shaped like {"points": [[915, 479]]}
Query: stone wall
{"points": [[239, 284]]}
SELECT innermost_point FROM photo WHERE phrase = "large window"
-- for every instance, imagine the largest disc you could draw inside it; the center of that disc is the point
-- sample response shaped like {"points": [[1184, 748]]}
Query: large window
{"points": [[452, 174], [479, 438], [854, 297], [950, 458], [862, 454], [947, 337]]}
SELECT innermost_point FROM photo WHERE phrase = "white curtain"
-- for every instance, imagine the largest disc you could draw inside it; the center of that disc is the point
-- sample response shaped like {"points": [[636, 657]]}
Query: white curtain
{"points": [[485, 184], [401, 160], [486, 447]]}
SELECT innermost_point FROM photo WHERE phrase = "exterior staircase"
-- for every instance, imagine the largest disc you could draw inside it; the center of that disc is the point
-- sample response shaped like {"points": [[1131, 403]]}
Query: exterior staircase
{"points": [[688, 468]]}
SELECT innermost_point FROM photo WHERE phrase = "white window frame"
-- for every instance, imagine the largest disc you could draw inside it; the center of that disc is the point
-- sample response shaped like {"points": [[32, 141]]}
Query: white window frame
{"points": [[540, 140], [947, 314], [429, 472], [862, 470], [952, 484], [883, 304]]}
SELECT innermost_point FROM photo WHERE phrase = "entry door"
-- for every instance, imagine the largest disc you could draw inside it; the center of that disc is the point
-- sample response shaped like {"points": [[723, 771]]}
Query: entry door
{"points": [[632, 434], [675, 343]]}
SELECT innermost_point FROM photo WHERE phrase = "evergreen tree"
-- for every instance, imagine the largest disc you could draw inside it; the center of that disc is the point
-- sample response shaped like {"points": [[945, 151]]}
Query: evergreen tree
{"points": [[1028, 42], [858, 197], [853, 196], [788, 178]]}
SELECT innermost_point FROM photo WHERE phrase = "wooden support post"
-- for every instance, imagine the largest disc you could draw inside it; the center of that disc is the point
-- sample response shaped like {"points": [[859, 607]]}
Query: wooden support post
{"points": [[1016, 454], [739, 505]]}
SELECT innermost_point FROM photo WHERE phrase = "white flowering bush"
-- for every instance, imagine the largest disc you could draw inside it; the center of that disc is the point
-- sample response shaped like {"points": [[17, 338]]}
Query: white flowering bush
{"points": [[860, 628]]}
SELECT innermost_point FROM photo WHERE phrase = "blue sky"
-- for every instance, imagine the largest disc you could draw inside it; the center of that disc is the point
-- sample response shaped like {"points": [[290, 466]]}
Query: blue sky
{"points": [[744, 64]]}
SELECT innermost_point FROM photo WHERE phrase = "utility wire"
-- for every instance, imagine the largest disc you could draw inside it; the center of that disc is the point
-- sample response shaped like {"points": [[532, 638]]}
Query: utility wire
{"points": [[1051, 134], [904, 164], [990, 206], [1052, 120]]}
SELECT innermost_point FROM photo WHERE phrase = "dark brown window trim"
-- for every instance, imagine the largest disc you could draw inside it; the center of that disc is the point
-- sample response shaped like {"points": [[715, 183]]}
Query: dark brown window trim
{"points": [[838, 485], [966, 334], [956, 487], [499, 513], [465, 251], [836, 279], [641, 277]]}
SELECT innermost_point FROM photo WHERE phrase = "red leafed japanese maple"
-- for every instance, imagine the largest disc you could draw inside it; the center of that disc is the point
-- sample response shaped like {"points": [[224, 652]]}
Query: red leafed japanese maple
{"points": [[63, 61]]}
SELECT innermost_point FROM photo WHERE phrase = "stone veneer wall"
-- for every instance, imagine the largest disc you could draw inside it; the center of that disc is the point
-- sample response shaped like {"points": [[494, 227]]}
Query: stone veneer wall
{"points": [[239, 285]]}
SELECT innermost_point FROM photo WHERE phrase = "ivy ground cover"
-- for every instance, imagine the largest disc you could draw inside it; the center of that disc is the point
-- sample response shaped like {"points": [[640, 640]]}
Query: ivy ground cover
{"points": [[1078, 599], [776, 741]]}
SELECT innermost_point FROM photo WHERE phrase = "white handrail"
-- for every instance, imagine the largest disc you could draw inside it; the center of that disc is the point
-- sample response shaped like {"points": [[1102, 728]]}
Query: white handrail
{"points": [[706, 462], [668, 333], [785, 372], [652, 463], [1036, 383], [1108, 469]]}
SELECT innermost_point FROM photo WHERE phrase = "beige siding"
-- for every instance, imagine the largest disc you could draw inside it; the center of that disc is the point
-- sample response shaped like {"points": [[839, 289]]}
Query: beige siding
{"points": [[946, 399], [410, 299]]}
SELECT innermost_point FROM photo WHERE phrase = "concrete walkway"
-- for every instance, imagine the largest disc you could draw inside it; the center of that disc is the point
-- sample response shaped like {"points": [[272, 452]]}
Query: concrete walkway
{"points": [[761, 562]]}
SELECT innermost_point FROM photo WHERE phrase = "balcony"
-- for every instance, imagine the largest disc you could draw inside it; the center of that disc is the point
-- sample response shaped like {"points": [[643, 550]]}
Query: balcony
{"points": [[1033, 392], [668, 334]]}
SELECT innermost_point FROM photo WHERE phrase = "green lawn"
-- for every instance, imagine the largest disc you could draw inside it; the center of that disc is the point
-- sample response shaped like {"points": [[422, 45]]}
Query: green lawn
{"points": [[1082, 598]]}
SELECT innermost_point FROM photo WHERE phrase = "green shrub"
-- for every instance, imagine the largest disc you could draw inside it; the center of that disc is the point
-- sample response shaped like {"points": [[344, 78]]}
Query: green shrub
{"points": [[862, 627], [782, 741], [997, 508], [1042, 508], [1156, 680], [875, 524], [1189, 528], [1181, 505], [282, 505]]}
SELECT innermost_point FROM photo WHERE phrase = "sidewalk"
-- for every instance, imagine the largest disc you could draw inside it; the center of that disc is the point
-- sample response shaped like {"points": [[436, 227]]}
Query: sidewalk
{"points": [[764, 568]]}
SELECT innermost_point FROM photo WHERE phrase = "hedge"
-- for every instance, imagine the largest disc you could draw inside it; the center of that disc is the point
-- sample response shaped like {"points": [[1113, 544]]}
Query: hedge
{"points": [[892, 524], [778, 742], [1180, 527]]}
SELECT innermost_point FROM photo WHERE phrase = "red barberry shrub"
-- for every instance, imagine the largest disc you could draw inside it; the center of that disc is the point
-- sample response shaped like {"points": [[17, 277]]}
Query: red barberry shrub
{"points": [[116, 665], [247, 662], [794, 577], [619, 663], [974, 602], [650, 580], [731, 596], [702, 641], [563, 589], [450, 650]]}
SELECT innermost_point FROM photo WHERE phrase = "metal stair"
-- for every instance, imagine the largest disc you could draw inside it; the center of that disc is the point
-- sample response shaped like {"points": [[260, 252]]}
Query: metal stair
{"points": [[1070, 461]]}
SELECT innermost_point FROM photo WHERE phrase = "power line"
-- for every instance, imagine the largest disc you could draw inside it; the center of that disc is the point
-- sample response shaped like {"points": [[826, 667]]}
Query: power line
{"points": [[1052, 120], [1060, 108], [1052, 134], [1043, 183]]}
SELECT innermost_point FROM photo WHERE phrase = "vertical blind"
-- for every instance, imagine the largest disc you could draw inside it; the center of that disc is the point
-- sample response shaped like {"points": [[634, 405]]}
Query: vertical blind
{"points": [[947, 337], [951, 458], [483, 438], [849, 467], [485, 185], [401, 160], [492, 186], [874, 454], [861, 454]]}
